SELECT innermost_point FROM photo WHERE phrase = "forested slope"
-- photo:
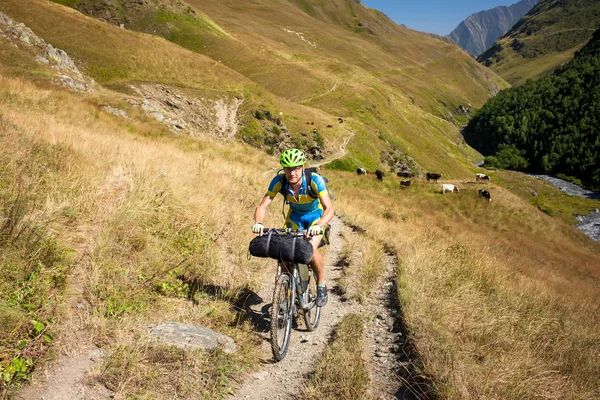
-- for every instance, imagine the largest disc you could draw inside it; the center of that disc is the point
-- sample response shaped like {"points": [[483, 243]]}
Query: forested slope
{"points": [[549, 126]]}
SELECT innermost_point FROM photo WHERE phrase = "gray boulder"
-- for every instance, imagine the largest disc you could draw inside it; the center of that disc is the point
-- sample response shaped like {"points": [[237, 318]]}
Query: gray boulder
{"points": [[191, 336]]}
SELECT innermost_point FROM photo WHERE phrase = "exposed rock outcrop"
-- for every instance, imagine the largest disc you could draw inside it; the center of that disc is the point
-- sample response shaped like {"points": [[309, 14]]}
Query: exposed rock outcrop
{"points": [[21, 36], [189, 115], [191, 336]]}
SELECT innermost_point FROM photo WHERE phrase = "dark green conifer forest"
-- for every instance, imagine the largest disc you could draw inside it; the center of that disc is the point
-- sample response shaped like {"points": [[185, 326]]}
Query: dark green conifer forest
{"points": [[548, 126]]}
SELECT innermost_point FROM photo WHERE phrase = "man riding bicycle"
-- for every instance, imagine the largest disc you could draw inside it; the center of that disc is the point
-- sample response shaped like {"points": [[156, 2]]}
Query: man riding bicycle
{"points": [[306, 213]]}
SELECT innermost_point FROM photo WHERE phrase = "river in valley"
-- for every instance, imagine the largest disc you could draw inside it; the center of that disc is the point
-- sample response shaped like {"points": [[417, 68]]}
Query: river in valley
{"points": [[589, 224]]}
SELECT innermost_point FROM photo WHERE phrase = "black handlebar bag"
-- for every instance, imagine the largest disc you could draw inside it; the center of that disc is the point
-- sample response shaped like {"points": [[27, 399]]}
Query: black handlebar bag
{"points": [[289, 248]]}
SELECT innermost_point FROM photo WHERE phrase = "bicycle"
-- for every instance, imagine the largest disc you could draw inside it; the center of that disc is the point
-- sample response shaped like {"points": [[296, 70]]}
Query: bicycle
{"points": [[295, 292]]}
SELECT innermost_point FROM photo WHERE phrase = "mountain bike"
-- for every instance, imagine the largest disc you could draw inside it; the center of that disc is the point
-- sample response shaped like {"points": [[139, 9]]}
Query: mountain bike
{"points": [[295, 293]]}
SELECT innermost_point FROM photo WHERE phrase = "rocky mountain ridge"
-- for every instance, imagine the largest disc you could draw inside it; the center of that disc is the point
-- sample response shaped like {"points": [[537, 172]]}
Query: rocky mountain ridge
{"points": [[548, 36], [480, 30]]}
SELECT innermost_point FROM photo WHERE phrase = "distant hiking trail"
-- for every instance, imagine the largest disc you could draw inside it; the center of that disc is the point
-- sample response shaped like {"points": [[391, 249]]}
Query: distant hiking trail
{"points": [[388, 367], [322, 94], [341, 153]]}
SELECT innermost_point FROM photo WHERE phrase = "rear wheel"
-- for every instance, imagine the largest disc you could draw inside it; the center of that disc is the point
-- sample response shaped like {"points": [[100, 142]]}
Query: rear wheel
{"points": [[313, 315], [282, 312]]}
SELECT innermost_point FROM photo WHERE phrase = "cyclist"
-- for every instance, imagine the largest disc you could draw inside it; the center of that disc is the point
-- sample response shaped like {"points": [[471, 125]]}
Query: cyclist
{"points": [[305, 212]]}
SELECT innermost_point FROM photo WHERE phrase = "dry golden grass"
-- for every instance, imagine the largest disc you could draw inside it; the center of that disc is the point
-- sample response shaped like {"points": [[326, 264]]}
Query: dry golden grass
{"points": [[362, 262], [500, 299], [152, 222], [342, 372]]}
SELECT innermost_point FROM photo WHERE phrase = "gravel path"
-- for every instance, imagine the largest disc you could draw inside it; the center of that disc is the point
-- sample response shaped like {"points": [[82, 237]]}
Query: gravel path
{"points": [[285, 379]]}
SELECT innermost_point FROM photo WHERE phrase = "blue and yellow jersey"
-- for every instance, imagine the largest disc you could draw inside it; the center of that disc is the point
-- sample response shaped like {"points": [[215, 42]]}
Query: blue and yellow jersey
{"points": [[304, 203]]}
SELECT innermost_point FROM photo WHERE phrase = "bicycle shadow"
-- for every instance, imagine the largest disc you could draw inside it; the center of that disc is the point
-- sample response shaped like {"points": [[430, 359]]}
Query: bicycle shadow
{"points": [[248, 304], [243, 300], [260, 318]]}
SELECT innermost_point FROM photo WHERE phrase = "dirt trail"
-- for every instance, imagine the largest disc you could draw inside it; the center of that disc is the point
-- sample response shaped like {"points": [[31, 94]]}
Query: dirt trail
{"points": [[322, 94], [285, 379], [388, 364], [342, 152]]}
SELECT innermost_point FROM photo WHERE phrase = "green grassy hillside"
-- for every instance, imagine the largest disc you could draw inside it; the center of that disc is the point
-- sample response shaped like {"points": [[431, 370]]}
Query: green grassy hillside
{"points": [[545, 38], [111, 223], [400, 88]]}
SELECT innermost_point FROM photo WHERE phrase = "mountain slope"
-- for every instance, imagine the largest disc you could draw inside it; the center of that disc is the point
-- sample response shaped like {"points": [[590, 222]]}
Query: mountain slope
{"points": [[401, 88], [546, 37], [115, 216], [479, 31], [549, 125]]}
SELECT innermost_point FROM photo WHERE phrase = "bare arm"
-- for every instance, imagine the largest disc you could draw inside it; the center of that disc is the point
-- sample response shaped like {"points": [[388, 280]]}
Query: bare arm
{"points": [[261, 209], [328, 211]]}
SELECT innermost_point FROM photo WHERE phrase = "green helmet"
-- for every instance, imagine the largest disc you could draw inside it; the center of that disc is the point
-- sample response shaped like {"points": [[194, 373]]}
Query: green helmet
{"points": [[292, 158]]}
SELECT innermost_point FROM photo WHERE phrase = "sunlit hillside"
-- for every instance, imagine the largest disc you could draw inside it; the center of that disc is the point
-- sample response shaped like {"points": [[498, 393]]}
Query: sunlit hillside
{"points": [[119, 211], [400, 90], [548, 36]]}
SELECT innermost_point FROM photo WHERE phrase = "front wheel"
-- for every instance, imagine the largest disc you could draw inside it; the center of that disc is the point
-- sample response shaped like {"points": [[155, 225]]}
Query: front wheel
{"points": [[312, 316], [282, 312]]}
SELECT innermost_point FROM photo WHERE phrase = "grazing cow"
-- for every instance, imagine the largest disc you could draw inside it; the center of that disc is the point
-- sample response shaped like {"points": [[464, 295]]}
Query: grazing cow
{"points": [[361, 171], [379, 174], [481, 177], [330, 126], [485, 194], [405, 184], [433, 177], [340, 120], [447, 187], [405, 174]]}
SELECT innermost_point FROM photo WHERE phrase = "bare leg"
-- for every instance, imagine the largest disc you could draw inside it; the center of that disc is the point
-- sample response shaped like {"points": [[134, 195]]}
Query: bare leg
{"points": [[317, 262]]}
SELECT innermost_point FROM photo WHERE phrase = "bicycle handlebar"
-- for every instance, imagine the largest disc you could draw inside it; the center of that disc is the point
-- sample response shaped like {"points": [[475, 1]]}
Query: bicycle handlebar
{"points": [[289, 231]]}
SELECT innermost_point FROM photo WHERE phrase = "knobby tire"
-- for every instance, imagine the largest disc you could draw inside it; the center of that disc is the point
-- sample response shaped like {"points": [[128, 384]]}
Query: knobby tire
{"points": [[312, 317], [282, 312]]}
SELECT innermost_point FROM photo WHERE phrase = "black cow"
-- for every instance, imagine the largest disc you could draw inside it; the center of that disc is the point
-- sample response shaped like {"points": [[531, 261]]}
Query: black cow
{"points": [[379, 174], [330, 126], [485, 194], [405, 184], [405, 174], [361, 171], [433, 177]]}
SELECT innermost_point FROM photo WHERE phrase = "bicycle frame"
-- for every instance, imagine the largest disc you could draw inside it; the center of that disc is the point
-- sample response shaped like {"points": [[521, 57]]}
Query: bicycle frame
{"points": [[292, 293], [296, 285]]}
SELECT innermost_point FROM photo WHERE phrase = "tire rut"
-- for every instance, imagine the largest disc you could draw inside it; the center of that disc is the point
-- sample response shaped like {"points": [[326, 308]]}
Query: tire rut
{"points": [[391, 367]]}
